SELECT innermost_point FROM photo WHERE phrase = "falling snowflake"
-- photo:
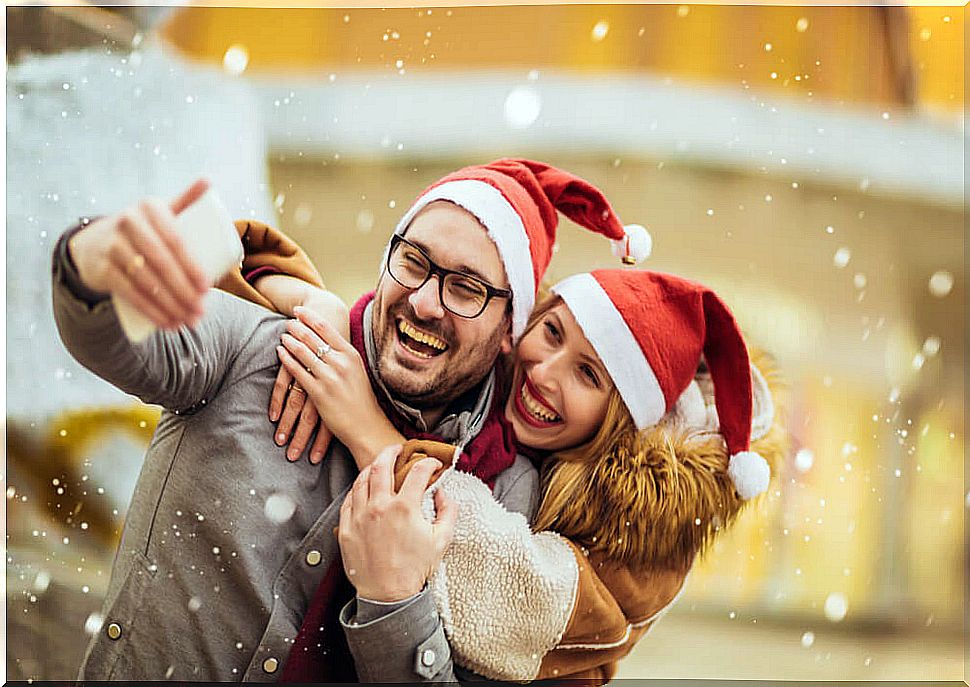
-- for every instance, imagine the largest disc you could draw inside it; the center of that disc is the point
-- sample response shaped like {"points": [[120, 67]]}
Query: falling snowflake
{"points": [[842, 257], [365, 221], [93, 623], [808, 639], [836, 607], [302, 215], [804, 459], [41, 582], [941, 283], [600, 30], [279, 508], [522, 107], [235, 59]]}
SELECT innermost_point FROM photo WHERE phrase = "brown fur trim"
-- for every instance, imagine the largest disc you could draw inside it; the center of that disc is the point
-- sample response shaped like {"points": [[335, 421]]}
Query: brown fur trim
{"points": [[660, 502]]}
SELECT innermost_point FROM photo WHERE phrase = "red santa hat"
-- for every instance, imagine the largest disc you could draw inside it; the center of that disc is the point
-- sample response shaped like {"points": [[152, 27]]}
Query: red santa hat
{"points": [[516, 201], [650, 330]]}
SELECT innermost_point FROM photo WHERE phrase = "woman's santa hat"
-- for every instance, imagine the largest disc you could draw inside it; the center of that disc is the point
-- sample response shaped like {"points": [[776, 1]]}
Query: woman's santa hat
{"points": [[650, 330], [516, 201]]}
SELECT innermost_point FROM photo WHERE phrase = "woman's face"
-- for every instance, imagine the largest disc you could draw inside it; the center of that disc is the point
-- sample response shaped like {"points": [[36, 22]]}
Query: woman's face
{"points": [[560, 389]]}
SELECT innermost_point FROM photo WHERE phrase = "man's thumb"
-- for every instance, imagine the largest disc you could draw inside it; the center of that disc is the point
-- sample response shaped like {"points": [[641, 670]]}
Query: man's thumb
{"points": [[444, 522], [190, 195]]}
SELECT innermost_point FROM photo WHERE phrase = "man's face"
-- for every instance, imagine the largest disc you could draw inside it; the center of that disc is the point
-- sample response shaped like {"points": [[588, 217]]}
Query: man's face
{"points": [[423, 375]]}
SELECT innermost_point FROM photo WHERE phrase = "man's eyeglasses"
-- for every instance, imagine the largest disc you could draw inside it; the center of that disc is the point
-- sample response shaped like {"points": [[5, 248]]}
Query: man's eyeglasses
{"points": [[460, 293]]}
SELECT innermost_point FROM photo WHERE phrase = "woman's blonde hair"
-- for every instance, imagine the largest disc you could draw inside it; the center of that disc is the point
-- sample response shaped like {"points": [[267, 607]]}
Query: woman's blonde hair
{"points": [[652, 498], [563, 472]]}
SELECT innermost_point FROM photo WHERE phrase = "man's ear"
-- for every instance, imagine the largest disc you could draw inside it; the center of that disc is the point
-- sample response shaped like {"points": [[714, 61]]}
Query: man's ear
{"points": [[507, 345]]}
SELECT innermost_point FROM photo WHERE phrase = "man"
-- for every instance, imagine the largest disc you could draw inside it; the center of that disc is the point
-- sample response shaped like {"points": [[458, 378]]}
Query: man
{"points": [[223, 550]]}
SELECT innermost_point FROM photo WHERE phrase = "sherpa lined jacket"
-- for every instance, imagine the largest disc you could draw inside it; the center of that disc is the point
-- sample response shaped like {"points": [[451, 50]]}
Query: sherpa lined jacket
{"points": [[518, 605]]}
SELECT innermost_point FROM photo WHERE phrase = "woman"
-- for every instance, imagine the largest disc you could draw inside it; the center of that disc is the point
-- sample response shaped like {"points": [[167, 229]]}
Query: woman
{"points": [[635, 485]]}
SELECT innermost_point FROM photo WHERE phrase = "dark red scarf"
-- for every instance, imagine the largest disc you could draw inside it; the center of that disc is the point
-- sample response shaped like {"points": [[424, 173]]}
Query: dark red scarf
{"points": [[320, 652]]}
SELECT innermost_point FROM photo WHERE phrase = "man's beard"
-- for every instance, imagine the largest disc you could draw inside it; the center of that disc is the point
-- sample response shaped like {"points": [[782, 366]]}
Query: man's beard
{"points": [[431, 389]]}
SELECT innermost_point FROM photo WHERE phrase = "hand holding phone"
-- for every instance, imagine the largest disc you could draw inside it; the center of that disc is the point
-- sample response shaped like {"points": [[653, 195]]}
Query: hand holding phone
{"points": [[157, 260]]}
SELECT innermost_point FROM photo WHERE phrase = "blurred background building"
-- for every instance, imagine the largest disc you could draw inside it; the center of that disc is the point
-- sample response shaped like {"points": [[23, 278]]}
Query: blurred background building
{"points": [[807, 162]]}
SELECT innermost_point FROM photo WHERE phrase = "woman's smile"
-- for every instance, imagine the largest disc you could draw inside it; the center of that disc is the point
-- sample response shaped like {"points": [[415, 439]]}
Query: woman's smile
{"points": [[533, 407]]}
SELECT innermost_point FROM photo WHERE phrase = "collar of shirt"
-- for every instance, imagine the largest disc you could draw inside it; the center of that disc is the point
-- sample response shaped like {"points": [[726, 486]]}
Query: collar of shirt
{"points": [[464, 417]]}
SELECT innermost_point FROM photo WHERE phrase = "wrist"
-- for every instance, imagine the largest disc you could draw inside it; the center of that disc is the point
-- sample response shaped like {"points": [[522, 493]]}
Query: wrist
{"points": [[68, 269], [390, 595], [365, 446], [76, 253]]}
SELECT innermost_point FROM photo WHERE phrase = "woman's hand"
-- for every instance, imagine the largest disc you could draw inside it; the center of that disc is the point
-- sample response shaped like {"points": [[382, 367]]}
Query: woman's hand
{"points": [[332, 373], [288, 403], [388, 548]]}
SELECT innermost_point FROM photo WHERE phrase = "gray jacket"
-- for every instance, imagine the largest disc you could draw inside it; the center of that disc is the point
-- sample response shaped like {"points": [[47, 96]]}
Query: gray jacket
{"points": [[225, 542]]}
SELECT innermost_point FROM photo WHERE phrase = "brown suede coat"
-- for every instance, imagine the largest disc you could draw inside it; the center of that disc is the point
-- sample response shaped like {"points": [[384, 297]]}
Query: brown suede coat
{"points": [[270, 248], [615, 604]]}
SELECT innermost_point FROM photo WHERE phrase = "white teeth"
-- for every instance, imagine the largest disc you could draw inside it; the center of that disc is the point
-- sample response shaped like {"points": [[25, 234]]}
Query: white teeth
{"points": [[534, 407], [426, 339]]}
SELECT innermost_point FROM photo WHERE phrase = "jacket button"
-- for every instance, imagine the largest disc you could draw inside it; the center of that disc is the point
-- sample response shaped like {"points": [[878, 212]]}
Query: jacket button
{"points": [[114, 630], [313, 557], [427, 658], [270, 665]]}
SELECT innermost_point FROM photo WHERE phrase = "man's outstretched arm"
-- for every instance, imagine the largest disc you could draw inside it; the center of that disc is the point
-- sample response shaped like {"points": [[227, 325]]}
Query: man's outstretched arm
{"points": [[178, 368]]}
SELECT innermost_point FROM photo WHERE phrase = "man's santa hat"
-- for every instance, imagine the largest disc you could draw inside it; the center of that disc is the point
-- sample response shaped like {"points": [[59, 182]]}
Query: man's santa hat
{"points": [[650, 330], [516, 201]]}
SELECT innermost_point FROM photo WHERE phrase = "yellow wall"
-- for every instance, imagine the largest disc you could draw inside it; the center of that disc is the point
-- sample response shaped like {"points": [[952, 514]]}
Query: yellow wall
{"points": [[829, 53]]}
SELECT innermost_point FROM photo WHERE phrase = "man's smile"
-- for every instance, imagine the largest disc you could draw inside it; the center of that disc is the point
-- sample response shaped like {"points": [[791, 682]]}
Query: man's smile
{"points": [[422, 344]]}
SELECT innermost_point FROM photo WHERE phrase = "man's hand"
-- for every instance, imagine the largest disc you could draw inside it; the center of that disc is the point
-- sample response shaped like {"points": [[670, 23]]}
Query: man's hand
{"points": [[389, 550], [138, 255]]}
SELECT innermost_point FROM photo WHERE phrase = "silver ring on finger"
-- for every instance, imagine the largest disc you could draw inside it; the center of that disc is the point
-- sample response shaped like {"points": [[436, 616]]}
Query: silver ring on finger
{"points": [[323, 349]]}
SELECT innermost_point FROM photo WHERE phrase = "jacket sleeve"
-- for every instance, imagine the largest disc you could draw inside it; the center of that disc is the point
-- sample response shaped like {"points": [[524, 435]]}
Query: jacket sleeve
{"points": [[267, 251], [178, 370], [407, 644]]}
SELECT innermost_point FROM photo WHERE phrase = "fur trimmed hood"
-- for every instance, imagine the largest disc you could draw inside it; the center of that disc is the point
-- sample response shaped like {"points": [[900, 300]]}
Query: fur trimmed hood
{"points": [[660, 502]]}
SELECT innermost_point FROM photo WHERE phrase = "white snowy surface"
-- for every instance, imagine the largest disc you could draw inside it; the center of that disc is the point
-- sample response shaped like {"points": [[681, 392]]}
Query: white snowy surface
{"points": [[87, 134]]}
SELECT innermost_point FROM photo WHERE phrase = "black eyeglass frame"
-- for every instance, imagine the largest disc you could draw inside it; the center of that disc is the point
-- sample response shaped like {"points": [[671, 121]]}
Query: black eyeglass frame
{"points": [[435, 270]]}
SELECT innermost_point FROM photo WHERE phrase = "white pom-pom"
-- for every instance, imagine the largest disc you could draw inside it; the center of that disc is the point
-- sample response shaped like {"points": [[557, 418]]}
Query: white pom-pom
{"points": [[635, 247], [750, 474]]}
